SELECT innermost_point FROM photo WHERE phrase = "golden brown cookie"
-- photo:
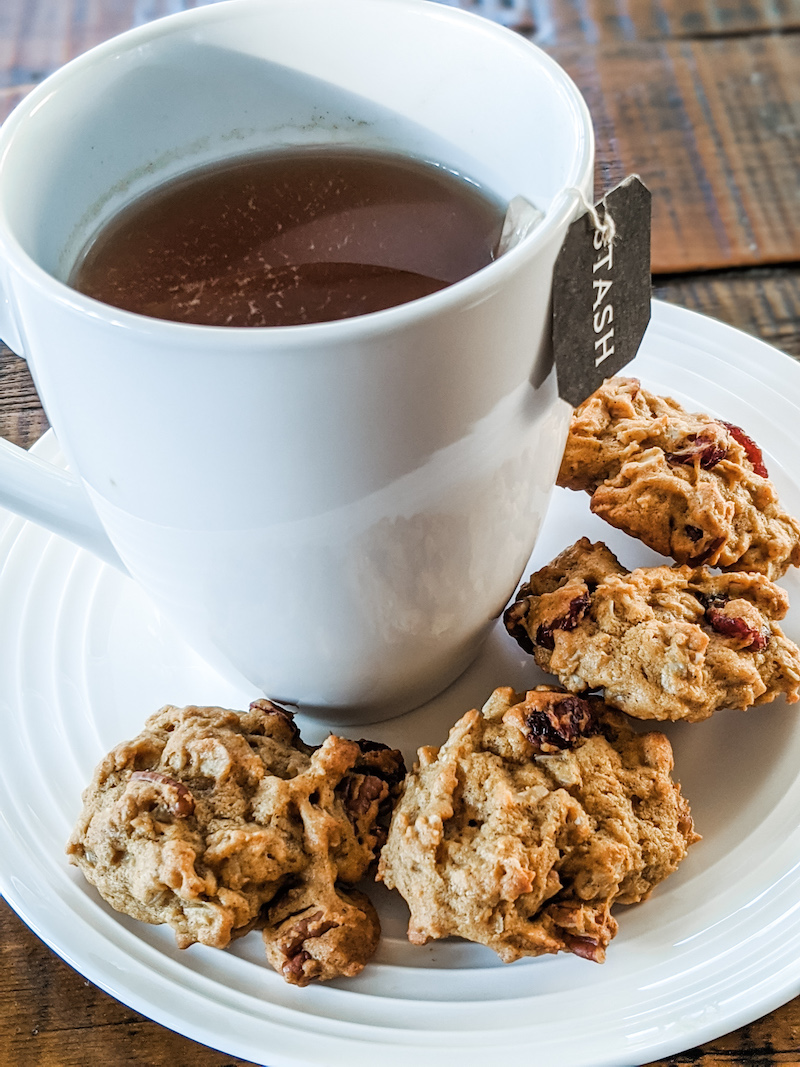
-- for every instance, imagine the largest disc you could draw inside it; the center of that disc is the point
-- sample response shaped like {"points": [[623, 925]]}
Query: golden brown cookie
{"points": [[536, 816], [211, 820], [662, 642], [689, 486]]}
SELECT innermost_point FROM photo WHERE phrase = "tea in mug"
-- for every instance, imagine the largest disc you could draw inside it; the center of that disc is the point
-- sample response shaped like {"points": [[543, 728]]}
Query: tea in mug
{"points": [[289, 237]]}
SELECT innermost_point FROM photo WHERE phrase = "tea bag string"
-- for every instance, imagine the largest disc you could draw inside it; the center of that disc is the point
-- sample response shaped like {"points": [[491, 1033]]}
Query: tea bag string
{"points": [[605, 226]]}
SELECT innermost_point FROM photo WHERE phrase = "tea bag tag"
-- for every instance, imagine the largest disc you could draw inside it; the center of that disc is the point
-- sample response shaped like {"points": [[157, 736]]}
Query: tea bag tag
{"points": [[601, 290]]}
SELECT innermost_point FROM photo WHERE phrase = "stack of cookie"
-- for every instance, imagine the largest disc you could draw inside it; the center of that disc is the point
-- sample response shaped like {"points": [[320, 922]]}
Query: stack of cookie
{"points": [[546, 808], [540, 812]]}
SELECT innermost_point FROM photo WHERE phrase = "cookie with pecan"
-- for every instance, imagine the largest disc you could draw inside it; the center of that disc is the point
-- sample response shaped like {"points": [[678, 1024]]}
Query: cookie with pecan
{"points": [[211, 820], [673, 642], [536, 816], [689, 486]]}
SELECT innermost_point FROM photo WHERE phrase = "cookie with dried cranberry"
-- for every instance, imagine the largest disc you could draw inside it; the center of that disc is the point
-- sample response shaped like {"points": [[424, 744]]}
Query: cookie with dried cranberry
{"points": [[209, 817], [536, 816], [673, 642], [689, 486]]}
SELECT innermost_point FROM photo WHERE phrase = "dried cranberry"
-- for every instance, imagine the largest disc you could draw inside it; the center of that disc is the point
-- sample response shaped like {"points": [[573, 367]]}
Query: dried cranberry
{"points": [[568, 621], [703, 450], [514, 620], [707, 554], [559, 724], [754, 453], [734, 626]]}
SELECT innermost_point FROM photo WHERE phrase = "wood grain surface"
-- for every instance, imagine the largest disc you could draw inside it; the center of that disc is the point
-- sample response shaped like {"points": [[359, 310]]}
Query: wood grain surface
{"points": [[701, 98]]}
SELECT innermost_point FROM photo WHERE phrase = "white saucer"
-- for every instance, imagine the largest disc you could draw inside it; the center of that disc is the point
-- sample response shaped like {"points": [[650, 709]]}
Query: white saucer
{"points": [[84, 659]]}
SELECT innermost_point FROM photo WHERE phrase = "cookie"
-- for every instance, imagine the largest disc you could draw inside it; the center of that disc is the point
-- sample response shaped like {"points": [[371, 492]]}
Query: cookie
{"points": [[536, 816], [689, 486], [213, 820], [673, 642]]}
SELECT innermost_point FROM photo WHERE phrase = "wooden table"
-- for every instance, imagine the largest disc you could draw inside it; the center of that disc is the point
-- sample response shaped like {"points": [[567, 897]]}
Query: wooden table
{"points": [[702, 99]]}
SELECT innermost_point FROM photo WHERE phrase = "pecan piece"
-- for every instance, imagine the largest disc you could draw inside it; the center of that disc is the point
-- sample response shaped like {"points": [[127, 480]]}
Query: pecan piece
{"points": [[180, 801], [558, 724], [754, 453], [362, 790], [295, 969], [384, 762], [269, 707], [585, 947], [568, 621]]}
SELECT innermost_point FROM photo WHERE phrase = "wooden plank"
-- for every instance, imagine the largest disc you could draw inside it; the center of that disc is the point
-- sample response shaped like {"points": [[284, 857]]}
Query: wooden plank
{"points": [[21, 417], [762, 302], [593, 21], [713, 128], [52, 1017]]}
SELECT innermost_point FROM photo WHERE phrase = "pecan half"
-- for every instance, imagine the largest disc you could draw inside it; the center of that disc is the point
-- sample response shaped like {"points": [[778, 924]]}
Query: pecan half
{"points": [[558, 724], [754, 453], [568, 621], [179, 800]]}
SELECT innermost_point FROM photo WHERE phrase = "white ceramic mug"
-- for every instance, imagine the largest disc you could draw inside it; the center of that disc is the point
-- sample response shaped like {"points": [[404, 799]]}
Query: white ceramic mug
{"points": [[335, 512]]}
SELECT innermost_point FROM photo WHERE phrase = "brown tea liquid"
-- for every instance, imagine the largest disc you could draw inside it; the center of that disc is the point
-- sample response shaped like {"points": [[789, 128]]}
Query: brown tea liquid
{"points": [[282, 238]]}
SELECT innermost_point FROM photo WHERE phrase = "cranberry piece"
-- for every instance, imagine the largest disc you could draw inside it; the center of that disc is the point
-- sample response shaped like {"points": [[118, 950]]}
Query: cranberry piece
{"points": [[559, 724], [754, 453], [568, 621], [703, 450], [709, 553], [732, 626]]}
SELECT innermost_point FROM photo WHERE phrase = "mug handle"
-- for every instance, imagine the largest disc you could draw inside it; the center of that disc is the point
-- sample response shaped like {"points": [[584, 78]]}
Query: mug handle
{"points": [[40, 491]]}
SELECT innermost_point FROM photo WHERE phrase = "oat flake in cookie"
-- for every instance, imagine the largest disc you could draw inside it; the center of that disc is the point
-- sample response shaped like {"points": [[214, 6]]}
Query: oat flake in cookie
{"points": [[536, 816], [687, 485], [218, 822], [662, 642]]}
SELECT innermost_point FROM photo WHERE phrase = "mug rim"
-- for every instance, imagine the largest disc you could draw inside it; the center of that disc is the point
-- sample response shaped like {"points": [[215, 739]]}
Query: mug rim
{"points": [[464, 292]]}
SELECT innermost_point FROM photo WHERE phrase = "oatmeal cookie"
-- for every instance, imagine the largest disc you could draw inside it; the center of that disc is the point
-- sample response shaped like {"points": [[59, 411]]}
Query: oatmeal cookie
{"points": [[662, 642], [212, 820], [687, 485], [536, 816]]}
